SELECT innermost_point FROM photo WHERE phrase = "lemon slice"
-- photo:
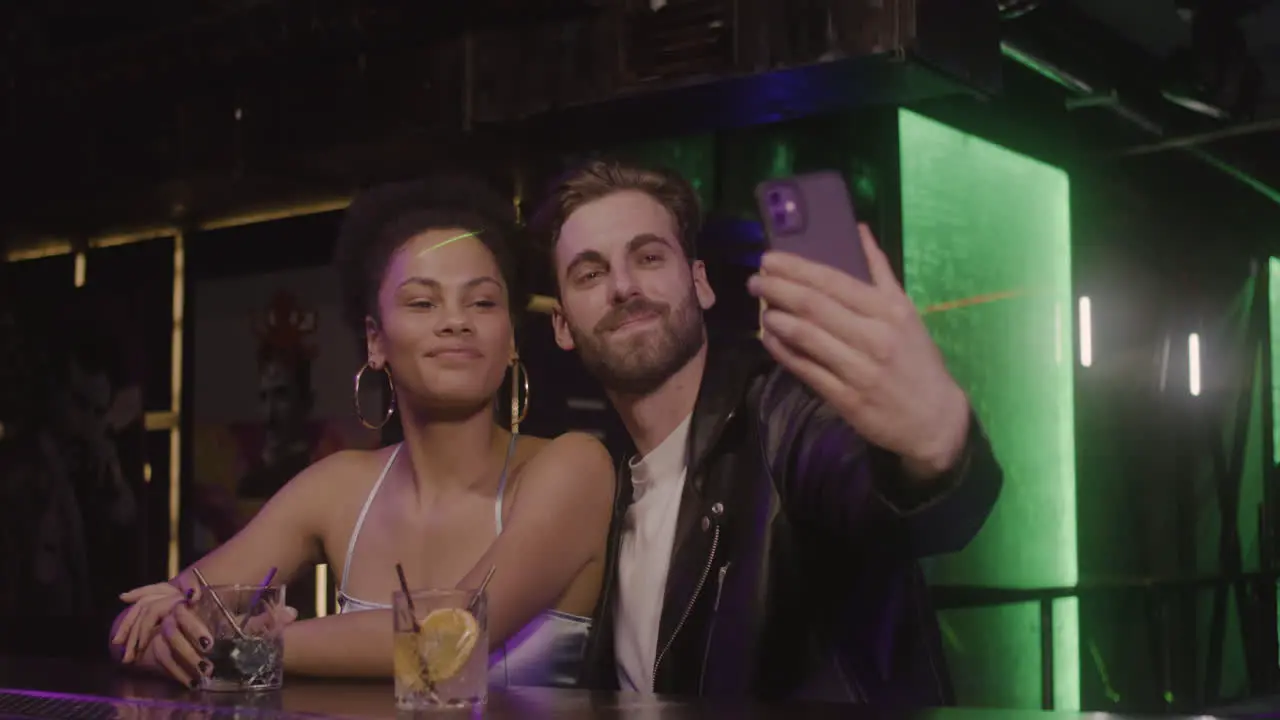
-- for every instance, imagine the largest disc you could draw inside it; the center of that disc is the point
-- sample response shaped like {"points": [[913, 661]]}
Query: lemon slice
{"points": [[407, 663], [446, 639]]}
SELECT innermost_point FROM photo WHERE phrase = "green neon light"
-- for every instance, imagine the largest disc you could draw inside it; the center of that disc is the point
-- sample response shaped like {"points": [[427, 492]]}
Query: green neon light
{"points": [[784, 159], [986, 224], [693, 156]]}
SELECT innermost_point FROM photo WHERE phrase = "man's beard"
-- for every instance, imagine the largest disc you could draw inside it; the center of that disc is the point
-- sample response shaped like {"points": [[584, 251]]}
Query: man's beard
{"points": [[640, 364]]}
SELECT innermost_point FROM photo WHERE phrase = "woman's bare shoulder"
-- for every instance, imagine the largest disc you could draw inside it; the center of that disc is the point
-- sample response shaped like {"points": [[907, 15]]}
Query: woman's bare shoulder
{"points": [[572, 448], [345, 471], [574, 461]]}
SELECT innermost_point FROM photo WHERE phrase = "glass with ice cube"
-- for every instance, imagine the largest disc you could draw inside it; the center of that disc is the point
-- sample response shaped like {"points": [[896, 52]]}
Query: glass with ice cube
{"points": [[247, 626], [441, 649]]}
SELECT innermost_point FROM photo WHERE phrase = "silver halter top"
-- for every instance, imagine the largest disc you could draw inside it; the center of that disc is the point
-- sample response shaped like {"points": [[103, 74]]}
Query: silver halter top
{"points": [[547, 652]]}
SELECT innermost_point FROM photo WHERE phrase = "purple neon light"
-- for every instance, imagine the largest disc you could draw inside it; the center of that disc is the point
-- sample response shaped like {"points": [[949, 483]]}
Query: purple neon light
{"points": [[166, 704]]}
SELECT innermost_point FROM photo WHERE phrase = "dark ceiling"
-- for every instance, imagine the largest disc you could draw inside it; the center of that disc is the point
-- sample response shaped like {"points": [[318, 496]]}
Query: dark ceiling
{"points": [[1155, 26], [134, 111], [161, 105], [1132, 45]]}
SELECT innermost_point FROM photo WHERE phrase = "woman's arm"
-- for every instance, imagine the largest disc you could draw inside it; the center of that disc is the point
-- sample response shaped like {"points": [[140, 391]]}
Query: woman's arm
{"points": [[351, 645], [558, 526], [284, 534]]}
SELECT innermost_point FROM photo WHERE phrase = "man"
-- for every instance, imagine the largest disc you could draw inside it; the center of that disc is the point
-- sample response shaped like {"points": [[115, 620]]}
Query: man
{"points": [[766, 537]]}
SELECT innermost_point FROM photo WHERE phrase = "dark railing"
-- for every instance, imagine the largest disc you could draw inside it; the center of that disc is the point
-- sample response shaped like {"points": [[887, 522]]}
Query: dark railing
{"points": [[954, 597]]}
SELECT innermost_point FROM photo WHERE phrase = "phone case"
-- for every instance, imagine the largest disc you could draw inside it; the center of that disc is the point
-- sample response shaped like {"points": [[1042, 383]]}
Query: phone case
{"points": [[812, 216]]}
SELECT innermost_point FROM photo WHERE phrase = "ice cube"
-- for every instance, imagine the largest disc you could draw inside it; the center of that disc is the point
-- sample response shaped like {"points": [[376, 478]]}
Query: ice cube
{"points": [[252, 656]]}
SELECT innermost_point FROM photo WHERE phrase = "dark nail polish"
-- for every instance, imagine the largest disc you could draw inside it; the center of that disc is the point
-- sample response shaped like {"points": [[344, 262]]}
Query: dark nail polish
{"points": [[204, 668], [205, 643], [194, 684], [190, 594]]}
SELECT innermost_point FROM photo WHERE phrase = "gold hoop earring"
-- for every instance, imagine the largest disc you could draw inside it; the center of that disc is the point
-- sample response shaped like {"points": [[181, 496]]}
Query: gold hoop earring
{"points": [[518, 410], [391, 407]]}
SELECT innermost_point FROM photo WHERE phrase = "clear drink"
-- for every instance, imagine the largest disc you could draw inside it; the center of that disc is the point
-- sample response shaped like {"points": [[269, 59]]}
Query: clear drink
{"points": [[249, 654], [441, 646]]}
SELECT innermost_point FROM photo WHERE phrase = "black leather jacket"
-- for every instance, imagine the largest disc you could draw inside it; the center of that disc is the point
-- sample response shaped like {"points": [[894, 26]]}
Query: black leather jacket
{"points": [[794, 570]]}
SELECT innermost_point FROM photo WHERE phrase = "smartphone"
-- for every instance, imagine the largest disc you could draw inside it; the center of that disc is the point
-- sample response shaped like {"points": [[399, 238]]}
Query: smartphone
{"points": [[812, 216]]}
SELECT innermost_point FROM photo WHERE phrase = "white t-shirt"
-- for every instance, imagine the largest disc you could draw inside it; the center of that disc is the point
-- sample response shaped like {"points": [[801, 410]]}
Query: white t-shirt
{"points": [[657, 482]]}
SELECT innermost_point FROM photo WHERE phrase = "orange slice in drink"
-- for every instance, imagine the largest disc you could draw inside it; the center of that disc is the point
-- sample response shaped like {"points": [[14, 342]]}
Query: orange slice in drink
{"points": [[407, 663], [446, 639]]}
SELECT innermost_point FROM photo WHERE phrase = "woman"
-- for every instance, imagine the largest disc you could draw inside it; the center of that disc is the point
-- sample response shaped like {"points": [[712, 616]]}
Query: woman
{"points": [[432, 282]]}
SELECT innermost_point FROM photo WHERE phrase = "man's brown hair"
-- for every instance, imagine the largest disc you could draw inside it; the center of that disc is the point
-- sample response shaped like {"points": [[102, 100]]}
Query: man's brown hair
{"points": [[600, 178]]}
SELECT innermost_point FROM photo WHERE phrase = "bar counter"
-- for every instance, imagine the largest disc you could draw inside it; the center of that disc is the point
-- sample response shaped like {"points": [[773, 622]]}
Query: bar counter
{"points": [[38, 688]]}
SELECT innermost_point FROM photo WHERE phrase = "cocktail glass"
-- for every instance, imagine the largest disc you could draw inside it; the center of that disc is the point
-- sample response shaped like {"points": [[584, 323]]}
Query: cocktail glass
{"points": [[441, 646], [248, 637]]}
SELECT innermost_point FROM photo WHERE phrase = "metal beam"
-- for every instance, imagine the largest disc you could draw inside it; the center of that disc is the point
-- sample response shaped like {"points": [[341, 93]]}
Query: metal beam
{"points": [[1080, 87], [53, 247], [1204, 138]]}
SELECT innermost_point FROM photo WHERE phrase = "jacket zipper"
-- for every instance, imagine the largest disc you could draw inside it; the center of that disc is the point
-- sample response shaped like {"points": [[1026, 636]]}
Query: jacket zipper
{"points": [[706, 571], [724, 570], [697, 590], [715, 614]]}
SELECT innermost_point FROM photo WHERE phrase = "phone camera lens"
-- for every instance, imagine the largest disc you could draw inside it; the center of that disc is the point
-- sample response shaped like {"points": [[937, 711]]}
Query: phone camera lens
{"points": [[780, 218], [775, 197]]}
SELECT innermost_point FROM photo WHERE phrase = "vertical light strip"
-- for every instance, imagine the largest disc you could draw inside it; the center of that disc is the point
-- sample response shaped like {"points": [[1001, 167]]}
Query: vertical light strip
{"points": [[1164, 364], [1193, 363], [175, 401], [517, 196], [81, 261], [1086, 332], [322, 590]]}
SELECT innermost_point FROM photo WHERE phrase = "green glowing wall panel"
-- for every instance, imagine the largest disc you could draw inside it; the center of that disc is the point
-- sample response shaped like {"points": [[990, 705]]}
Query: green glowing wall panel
{"points": [[987, 257], [1273, 268], [1225, 344], [1252, 477], [1228, 339]]}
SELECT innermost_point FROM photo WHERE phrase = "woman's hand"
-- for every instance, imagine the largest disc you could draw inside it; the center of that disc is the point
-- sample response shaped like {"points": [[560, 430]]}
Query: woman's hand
{"points": [[150, 605], [173, 648], [181, 645], [147, 591]]}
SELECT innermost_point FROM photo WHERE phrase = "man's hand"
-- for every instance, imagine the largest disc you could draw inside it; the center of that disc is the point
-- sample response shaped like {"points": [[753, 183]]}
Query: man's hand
{"points": [[865, 350]]}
